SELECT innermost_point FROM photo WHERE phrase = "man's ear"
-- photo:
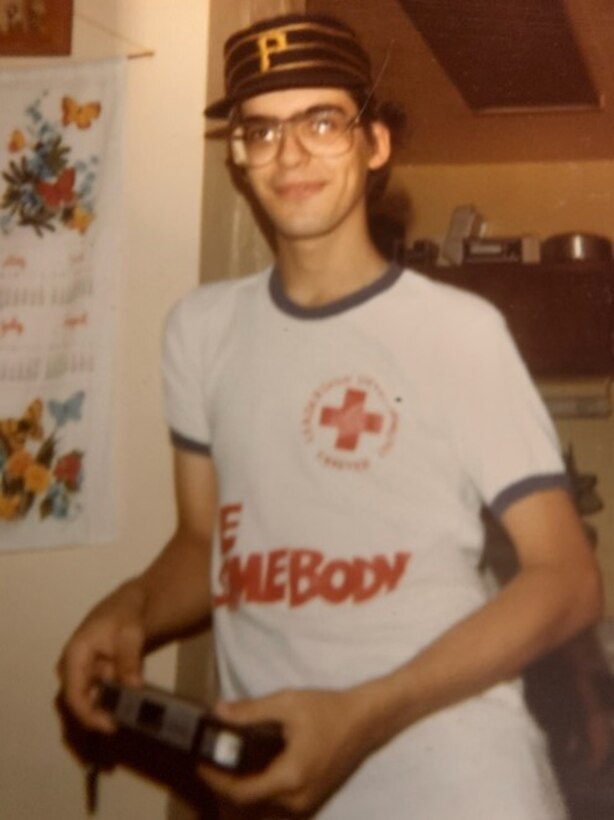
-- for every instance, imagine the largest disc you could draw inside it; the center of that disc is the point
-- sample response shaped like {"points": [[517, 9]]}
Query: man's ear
{"points": [[380, 144]]}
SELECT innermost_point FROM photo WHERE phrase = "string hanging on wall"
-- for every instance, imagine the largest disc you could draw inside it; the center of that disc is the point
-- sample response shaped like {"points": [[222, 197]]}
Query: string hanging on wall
{"points": [[140, 50]]}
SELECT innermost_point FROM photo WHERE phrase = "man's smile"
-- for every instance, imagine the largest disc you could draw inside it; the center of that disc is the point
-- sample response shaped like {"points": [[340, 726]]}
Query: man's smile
{"points": [[298, 191]]}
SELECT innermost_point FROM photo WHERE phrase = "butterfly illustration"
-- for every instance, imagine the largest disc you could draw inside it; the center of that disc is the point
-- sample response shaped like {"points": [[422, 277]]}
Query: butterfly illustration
{"points": [[80, 220], [59, 192], [17, 141], [81, 115], [15, 432], [69, 410]]}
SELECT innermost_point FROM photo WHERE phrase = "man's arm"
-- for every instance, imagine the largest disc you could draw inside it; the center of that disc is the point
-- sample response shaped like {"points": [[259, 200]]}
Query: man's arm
{"points": [[169, 597], [556, 593]]}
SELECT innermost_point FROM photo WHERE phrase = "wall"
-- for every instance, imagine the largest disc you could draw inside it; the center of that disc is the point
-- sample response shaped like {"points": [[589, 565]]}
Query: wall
{"points": [[541, 199], [44, 594]]}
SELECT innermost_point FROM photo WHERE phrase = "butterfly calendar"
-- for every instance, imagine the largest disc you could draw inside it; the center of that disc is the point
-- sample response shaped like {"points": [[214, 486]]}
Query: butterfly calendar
{"points": [[60, 211]]}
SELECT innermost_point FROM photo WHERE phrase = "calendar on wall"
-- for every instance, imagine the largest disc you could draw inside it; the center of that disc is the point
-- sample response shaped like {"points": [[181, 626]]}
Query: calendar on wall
{"points": [[59, 258]]}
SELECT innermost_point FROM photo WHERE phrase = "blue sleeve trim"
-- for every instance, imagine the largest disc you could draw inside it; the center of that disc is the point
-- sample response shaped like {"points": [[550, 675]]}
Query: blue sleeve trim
{"points": [[183, 443], [527, 486]]}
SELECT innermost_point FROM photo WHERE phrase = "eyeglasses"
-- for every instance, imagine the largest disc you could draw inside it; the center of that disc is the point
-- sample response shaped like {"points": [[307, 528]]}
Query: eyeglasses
{"points": [[322, 131]]}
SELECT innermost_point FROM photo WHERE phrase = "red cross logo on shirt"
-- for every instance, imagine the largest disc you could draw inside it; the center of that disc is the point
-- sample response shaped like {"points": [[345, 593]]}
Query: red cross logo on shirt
{"points": [[351, 420]]}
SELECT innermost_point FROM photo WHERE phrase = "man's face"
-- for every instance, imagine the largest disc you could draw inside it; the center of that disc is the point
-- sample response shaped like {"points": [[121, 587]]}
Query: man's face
{"points": [[306, 196]]}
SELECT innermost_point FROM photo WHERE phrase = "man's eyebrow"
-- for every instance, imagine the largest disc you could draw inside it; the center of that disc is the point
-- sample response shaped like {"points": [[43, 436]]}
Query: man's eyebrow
{"points": [[313, 109]]}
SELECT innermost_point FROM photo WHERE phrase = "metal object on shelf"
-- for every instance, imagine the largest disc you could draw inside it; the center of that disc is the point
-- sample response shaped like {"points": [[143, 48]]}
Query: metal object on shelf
{"points": [[577, 247], [465, 222], [524, 249]]}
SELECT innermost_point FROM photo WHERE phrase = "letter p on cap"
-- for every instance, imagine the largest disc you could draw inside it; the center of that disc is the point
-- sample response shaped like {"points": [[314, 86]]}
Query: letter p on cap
{"points": [[271, 43]]}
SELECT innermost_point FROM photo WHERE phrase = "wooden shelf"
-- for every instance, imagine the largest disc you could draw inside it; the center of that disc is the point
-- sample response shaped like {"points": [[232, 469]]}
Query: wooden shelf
{"points": [[561, 315]]}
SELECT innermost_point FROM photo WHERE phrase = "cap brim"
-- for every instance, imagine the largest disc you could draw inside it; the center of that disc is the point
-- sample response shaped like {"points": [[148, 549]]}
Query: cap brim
{"points": [[220, 109]]}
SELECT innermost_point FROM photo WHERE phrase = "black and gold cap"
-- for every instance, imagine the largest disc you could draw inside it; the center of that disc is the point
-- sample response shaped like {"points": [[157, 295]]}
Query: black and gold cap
{"points": [[292, 51]]}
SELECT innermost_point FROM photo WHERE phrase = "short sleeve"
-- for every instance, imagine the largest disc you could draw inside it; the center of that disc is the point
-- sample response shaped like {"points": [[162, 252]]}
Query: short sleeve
{"points": [[182, 373], [504, 435]]}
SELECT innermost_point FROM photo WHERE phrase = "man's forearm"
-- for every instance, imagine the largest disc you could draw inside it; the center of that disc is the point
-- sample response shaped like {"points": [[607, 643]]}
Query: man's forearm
{"points": [[528, 618], [175, 589]]}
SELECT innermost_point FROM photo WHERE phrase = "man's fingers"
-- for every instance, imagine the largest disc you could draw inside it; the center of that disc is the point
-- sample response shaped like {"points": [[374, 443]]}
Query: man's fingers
{"points": [[129, 657], [85, 663], [244, 789], [79, 692]]}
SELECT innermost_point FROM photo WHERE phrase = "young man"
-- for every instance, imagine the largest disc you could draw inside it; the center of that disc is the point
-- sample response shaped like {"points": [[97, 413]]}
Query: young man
{"points": [[337, 425]]}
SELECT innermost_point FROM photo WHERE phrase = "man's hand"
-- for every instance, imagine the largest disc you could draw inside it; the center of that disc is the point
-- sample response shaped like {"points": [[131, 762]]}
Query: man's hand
{"points": [[326, 738], [111, 641], [107, 645]]}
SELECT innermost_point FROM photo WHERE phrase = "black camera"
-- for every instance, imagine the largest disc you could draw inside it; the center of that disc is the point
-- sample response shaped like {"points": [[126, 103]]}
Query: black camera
{"points": [[189, 727]]}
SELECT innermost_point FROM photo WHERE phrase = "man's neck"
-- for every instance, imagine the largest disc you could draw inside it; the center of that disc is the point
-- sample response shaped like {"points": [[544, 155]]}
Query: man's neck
{"points": [[322, 270]]}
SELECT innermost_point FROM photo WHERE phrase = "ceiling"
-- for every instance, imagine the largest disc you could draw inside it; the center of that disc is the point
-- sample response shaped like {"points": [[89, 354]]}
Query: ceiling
{"points": [[443, 128]]}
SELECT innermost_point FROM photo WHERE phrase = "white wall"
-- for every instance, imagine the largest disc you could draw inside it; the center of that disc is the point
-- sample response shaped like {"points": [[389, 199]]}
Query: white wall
{"points": [[44, 594]]}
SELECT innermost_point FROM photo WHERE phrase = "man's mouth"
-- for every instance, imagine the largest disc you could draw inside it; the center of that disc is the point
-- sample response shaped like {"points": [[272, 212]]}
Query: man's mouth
{"points": [[298, 190]]}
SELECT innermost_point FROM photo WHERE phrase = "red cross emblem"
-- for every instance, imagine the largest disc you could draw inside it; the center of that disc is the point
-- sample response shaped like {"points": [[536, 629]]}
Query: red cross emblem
{"points": [[351, 420]]}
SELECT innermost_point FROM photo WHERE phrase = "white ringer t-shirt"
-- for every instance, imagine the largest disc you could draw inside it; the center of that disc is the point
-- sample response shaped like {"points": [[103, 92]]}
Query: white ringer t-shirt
{"points": [[355, 445]]}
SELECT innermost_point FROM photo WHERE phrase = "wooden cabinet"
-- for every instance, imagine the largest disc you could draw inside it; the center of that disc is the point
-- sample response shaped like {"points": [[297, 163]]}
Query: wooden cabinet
{"points": [[561, 315]]}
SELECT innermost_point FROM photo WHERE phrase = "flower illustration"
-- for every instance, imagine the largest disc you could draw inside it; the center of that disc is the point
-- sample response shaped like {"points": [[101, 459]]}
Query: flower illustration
{"points": [[9, 507], [18, 463], [44, 188], [57, 501], [68, 470], [33, 475], [36, 478]]}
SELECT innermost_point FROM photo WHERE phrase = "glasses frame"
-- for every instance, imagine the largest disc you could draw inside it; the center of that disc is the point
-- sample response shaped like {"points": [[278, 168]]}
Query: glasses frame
{"points": [[280, 126]]}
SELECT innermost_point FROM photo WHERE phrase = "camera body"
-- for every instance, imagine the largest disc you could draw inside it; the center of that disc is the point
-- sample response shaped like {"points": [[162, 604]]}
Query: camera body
{"points": [[189, 727]]}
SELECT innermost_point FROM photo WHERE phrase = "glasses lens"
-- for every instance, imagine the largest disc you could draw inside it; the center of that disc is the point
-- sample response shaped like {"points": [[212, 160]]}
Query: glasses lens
{"points": [[325, 133], [255, 143]]}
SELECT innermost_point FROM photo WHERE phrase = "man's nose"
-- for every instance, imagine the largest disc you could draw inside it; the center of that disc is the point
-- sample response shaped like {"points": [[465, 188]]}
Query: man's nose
{"points": [[291, 151]]}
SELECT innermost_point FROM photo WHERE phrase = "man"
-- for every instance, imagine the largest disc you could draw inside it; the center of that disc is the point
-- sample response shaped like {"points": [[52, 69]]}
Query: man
{"points": [[337, 425]]}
